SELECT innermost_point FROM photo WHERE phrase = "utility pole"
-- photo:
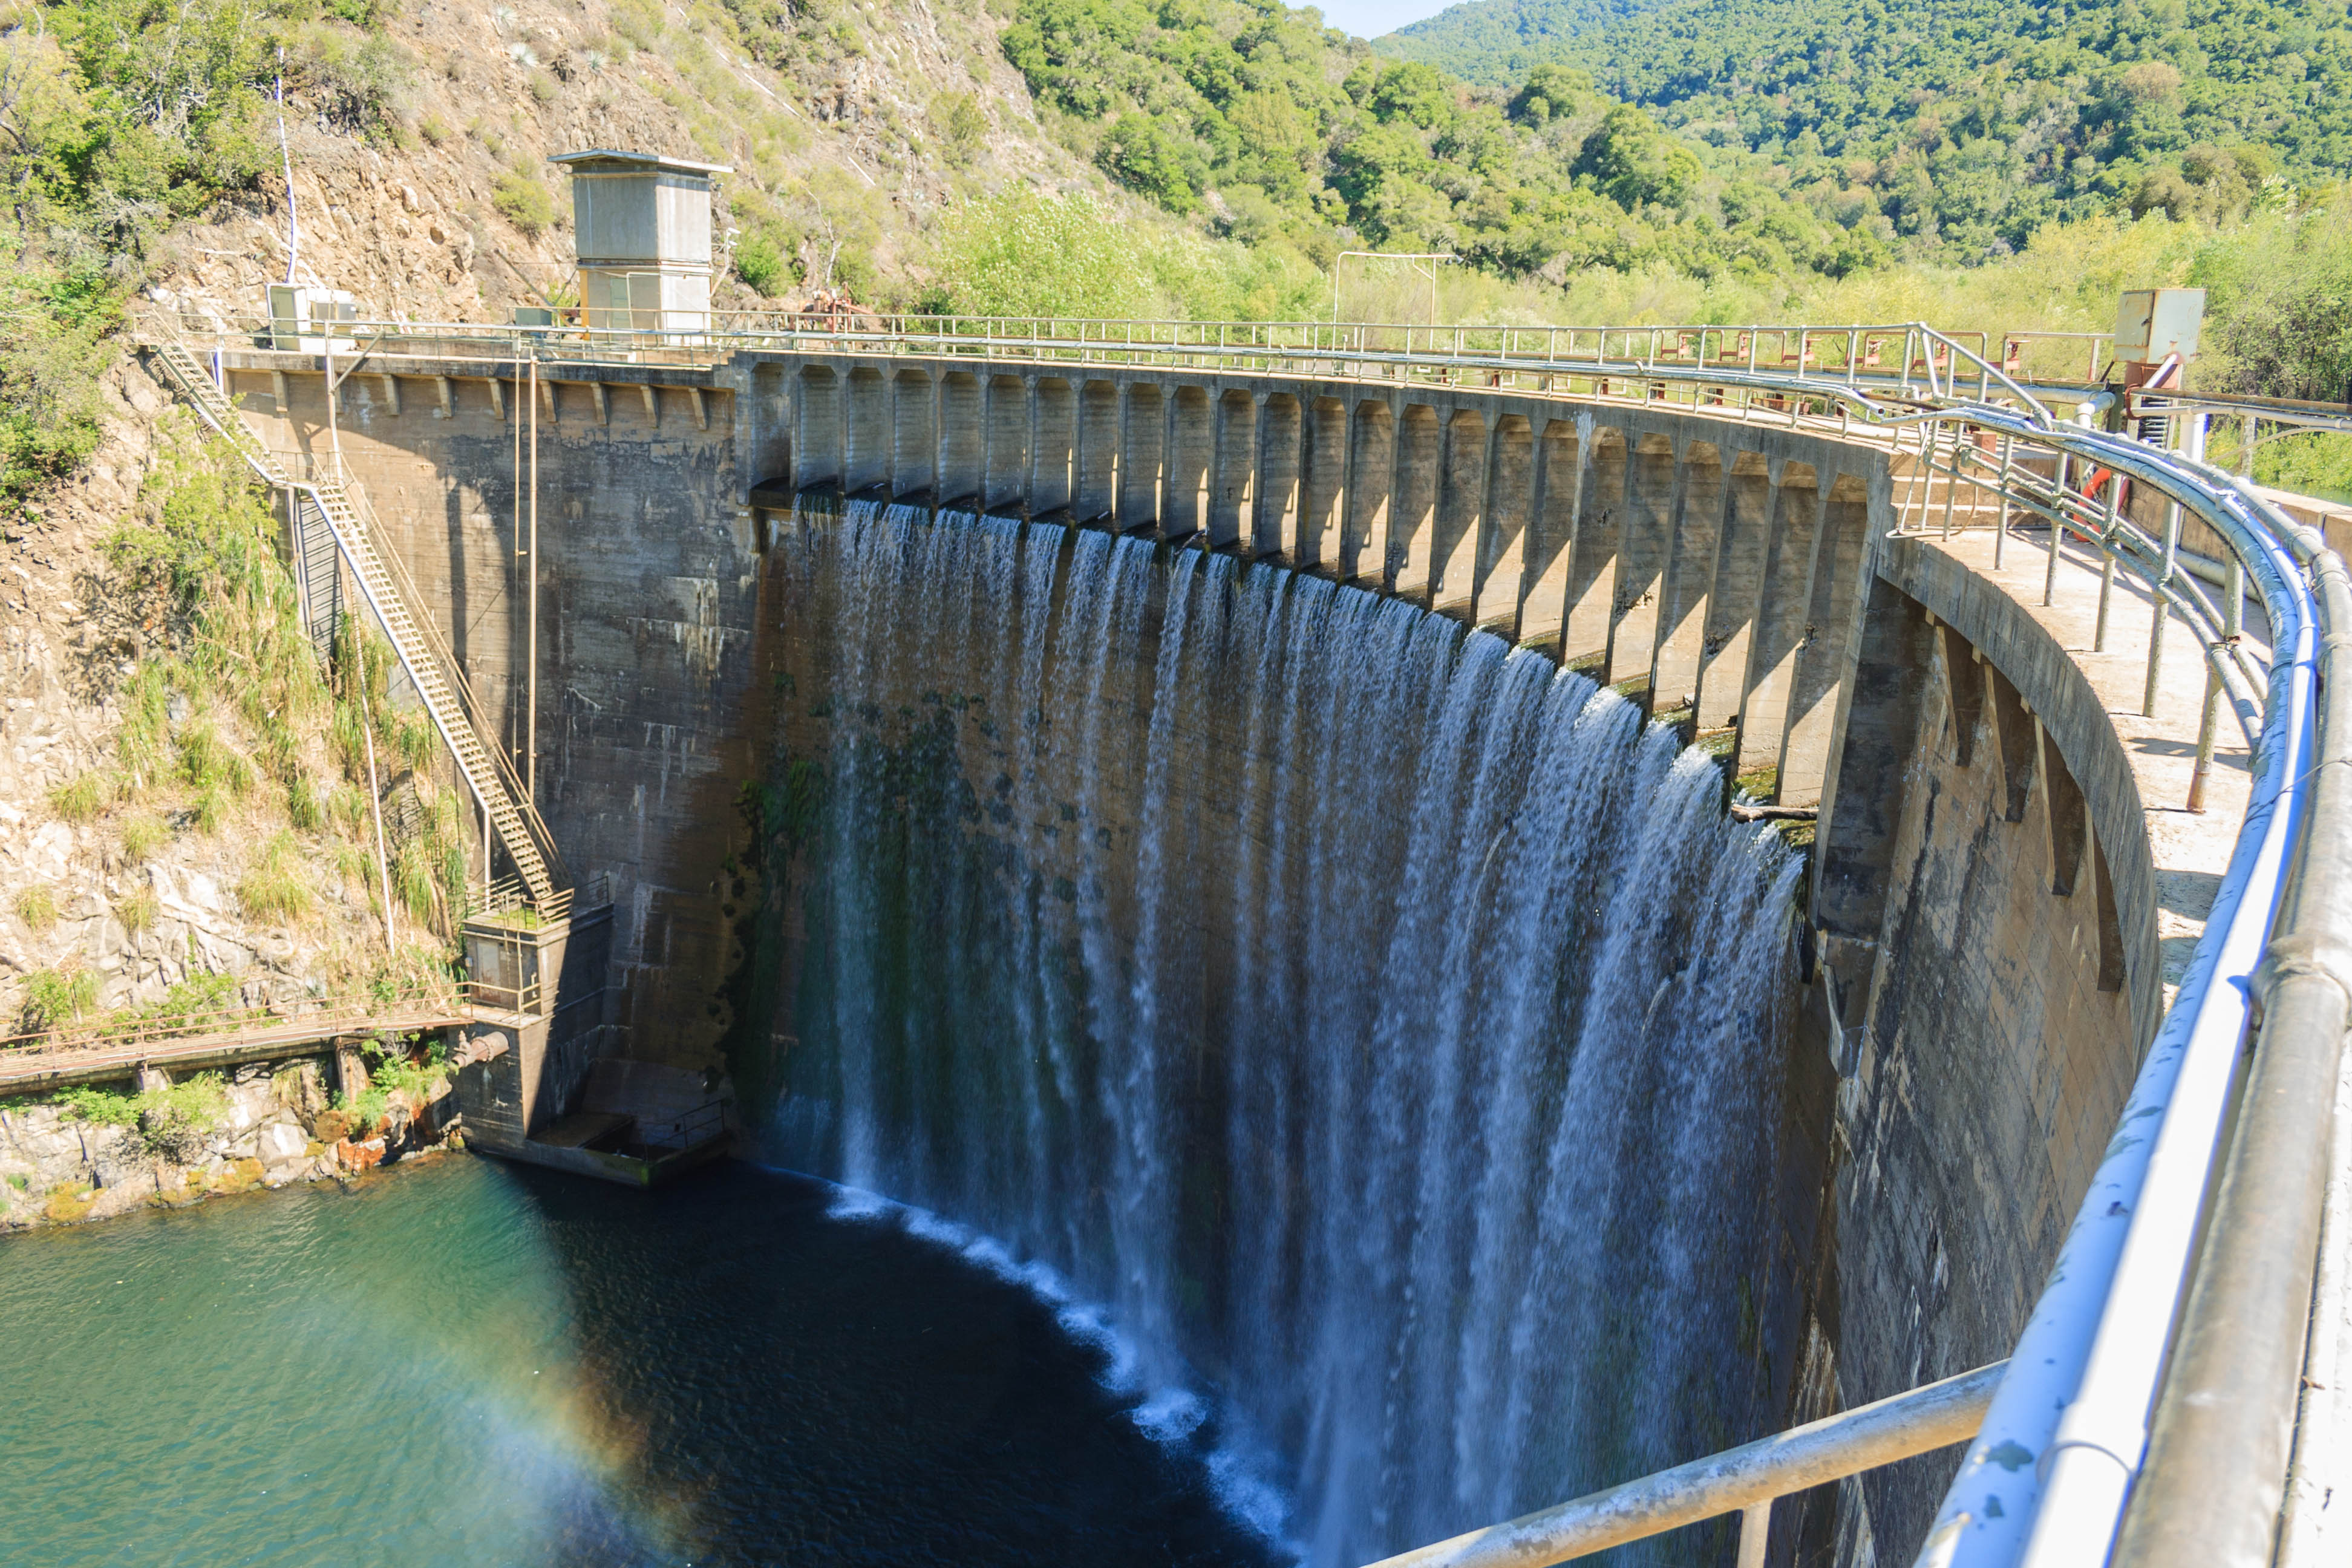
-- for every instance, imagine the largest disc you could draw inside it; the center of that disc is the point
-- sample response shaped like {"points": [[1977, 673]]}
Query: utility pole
{"points": [[530, 708], [1419, 261]]}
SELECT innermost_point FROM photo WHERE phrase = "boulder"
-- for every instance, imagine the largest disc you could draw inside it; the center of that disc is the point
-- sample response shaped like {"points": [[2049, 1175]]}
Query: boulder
{"points": [[284, 1151], [359, 1156]]}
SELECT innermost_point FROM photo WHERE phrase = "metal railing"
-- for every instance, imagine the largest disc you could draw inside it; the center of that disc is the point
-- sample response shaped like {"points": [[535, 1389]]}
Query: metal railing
{"points": [[1897, 358], [108, 1032], [440, 682], [1743, 1481], [688, 1130], [2118, 1338]]}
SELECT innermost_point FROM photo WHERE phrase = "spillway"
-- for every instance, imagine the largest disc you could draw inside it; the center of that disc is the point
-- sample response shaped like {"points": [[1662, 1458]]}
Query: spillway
{"points": [[1382, 1024]]}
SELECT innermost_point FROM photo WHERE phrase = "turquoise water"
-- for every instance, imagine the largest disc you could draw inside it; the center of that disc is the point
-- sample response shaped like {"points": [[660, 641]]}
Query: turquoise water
{"points": [[462, 1362]]}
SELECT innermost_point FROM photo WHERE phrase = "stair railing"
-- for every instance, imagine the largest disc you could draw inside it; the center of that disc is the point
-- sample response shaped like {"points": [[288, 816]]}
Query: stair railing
{"points": [[428, 663]]}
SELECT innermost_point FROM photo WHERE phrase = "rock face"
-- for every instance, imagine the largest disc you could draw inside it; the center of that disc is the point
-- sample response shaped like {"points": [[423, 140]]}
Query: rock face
{"points": [[277, 1127]]}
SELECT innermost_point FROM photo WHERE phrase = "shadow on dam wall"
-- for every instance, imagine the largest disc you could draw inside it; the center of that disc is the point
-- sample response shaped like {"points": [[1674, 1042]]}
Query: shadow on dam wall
{"points": [[1978, 959]]}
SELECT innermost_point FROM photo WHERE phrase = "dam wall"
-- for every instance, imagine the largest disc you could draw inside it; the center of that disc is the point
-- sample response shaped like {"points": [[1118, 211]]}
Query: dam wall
{"points": [[1978, 972]]}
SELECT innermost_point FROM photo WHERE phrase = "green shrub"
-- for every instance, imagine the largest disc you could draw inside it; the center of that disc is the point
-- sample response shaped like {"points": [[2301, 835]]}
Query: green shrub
{"points": [[366, 1109], [303, 807], [171, 1122], [54, 997], [523, 202], [761, 262], [413, 880], [210, 810], [958, 125]]}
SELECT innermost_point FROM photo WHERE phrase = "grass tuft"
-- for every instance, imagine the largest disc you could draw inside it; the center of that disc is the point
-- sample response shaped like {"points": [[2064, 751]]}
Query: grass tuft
{"points": [[278, 884], [303, 807], [84, 799], [138, 911], [142, 836], [36, 906]]}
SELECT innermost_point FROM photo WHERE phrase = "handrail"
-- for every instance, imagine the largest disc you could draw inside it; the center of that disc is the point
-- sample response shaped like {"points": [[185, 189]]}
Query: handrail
{"points": [[1854, 348], [528, 840], [2213, 1484], [1735, 1480], [128, 1034], [429, 631], [2092, 1356]]}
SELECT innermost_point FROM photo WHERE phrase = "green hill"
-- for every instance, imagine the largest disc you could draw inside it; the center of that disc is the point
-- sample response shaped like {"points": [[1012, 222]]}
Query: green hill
{"points": [[1286, 133], [1968, 124]]}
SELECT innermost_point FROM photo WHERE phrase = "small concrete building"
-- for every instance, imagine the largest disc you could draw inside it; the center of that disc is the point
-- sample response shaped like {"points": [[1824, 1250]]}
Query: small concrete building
{"points": [[642, 224]]}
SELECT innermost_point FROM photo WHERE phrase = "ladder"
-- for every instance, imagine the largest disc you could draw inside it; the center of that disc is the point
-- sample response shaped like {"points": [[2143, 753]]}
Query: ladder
{"points": [[437, 682]]}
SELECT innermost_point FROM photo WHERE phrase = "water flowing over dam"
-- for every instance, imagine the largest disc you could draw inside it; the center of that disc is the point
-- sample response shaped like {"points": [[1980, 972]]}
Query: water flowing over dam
{"points": [[1385, 1027]]}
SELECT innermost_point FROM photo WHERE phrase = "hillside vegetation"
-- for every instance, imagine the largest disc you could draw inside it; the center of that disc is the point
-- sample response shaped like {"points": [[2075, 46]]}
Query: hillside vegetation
{"points": [[1966, 123], [1292, 135]]}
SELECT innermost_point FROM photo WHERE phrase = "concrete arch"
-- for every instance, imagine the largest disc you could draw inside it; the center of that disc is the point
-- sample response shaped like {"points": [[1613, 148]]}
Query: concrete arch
{"points": [[1652, 496], [1510, 506], [1233, 474], [1191, 457], [1323, 485], [1281, 426], [1005, 474], [1688, 583], [1144, 417], [867, 434], [816, 444], [1412, 516], [1741, 546], [1591, 591], [915, 443], [1460, 511], [1096, 469], [962, 445], [1551, 533], [1372, 470], [1052, 446], [1786, 599]]}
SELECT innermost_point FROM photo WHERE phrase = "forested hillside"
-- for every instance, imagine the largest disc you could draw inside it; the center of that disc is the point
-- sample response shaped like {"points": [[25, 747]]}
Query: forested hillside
{"points": [[1969, 122], [1291, 133]]}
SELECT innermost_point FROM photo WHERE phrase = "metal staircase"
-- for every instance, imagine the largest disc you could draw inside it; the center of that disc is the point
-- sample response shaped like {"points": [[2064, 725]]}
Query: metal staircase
{"points": [[430, 668]]}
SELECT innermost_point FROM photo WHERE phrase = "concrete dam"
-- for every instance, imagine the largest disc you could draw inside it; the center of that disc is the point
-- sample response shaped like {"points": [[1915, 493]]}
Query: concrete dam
{"points": [[1244, 829]]}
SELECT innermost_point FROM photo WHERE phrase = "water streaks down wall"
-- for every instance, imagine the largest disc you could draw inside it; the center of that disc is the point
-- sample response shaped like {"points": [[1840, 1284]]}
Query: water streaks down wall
{"points": [[1383, 1023]]}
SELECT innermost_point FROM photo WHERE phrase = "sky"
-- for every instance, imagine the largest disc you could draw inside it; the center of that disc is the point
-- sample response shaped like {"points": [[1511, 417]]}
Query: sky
{"points": [[1370, 18]]}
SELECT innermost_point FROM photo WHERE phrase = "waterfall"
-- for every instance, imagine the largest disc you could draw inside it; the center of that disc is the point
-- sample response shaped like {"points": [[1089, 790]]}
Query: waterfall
{"points": [[1380, 1025]]}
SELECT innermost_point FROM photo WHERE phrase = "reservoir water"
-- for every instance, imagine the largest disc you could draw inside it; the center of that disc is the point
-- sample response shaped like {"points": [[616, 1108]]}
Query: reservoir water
{"points": [[464, 1363]]}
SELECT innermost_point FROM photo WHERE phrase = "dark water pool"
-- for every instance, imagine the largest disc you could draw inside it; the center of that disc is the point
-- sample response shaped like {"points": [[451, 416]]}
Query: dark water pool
{"points": [[466, 1363]]}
